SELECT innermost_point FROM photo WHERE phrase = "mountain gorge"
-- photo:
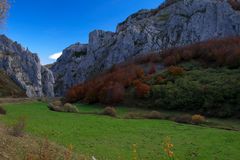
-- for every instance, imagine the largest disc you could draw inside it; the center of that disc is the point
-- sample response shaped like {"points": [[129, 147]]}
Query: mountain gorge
{"points": [[24, 68], [174, 23]]}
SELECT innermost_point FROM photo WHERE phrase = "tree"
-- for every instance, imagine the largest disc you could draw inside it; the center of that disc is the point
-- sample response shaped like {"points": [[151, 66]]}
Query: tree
{"points": [[4, 7]]}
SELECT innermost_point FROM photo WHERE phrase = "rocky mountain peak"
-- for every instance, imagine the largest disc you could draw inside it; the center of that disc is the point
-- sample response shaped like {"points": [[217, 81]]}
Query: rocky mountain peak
{"points": [[25, 69], [174, 23]]}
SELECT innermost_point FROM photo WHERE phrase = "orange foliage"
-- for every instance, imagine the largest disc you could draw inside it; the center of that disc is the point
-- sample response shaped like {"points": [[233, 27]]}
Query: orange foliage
{"points": [[160, 79], [112, 93], [142, 90], [221, 52], [176, 71], [108, 87]]}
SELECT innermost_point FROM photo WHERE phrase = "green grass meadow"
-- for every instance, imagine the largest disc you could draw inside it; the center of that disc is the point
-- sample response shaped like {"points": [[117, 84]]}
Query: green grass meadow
{"points": [[109, 138]]}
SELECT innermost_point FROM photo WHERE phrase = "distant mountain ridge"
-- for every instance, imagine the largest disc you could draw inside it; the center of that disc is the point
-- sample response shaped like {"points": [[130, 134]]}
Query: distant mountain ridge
{"points": [[174, 23], [24, 68]]}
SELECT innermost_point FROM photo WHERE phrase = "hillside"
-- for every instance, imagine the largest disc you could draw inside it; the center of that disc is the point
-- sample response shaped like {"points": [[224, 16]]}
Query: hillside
{"points": [[25, 69], [8, 88], [174, 23], [200, 78]]}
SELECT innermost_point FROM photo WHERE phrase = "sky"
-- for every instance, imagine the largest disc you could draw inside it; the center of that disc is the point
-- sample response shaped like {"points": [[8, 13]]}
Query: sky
{"points": [[47, 27]]}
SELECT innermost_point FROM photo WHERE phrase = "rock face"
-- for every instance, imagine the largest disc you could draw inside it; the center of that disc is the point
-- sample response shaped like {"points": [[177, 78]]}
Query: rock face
{"points": [[25, 69], [174, 23]]}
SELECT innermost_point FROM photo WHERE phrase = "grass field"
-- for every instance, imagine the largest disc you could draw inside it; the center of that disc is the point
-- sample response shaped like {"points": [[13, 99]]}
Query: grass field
{"points": [[110, 138]]}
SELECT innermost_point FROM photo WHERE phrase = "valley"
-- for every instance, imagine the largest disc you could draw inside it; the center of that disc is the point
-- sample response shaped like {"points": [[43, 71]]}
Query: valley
{"points": [[112, 138], [164, 84]]}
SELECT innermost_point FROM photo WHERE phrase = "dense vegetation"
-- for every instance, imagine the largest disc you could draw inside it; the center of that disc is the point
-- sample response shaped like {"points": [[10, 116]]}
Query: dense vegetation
{"points": [[8, 88], [112, 138], [201, 78]]}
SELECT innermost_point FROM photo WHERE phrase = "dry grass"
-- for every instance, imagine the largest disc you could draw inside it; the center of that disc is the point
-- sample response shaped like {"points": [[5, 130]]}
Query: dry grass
{"points": [[2, 111], [31, 148], [17, 129], [110, 111], [198, 119]]}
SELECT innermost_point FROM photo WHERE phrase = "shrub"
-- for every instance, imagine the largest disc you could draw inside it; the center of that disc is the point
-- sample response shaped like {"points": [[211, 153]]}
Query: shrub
{"points": [[218, 52], [57, 103], [112, 93], [183, 119], [133, 115], [91, 96], [198, 119], [2, 111], [110, 111], [17, 130], [160, 80], [75, 93], [175, 71], [52, 107], [113, 81], [154, 115], [70, 108], [142, 90]]}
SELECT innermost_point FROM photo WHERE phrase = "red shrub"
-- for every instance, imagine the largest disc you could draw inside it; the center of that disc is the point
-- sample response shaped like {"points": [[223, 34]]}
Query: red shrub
{"points": [[108, 87], [75, 93], [170, 60], [176, 71], [91, 96], [214, 52], [112, 93], [136, 82], [160, 80], [142, 90]]}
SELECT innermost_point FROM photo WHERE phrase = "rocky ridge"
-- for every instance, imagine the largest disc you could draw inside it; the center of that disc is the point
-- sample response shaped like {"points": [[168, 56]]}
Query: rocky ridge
{"points": [[25, 69], [174, 23]]}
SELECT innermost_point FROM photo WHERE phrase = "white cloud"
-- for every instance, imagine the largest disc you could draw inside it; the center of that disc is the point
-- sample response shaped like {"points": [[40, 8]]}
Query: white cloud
{"points": [[55, 56]]}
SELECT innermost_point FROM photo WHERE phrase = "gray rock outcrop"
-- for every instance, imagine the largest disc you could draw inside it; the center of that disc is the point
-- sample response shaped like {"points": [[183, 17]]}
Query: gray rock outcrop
{"points": [[175, 23], [25, 69]]}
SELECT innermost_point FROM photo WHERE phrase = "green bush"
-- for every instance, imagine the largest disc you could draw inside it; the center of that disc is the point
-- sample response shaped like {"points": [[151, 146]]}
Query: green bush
{"points": [[211, 92]]}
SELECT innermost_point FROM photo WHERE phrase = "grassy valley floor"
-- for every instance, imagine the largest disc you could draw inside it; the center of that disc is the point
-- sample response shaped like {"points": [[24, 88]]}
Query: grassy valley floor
{"points": [[112, 138]]}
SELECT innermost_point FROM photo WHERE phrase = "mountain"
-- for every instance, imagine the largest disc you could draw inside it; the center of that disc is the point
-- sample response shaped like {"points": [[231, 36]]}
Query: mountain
{"points": [[174, 23], [9, 88], [24, 68]]}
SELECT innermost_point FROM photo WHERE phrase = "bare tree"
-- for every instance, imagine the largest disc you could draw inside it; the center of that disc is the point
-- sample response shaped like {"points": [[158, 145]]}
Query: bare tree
{"points": [[4, 6]]}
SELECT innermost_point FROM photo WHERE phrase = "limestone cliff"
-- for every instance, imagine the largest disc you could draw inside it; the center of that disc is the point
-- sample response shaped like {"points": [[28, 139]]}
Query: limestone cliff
{"points": [[174, 23], [25, 69]]}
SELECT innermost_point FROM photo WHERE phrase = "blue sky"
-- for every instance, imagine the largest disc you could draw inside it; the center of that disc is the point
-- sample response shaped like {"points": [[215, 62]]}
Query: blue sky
{"points": [[48, 26]]}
